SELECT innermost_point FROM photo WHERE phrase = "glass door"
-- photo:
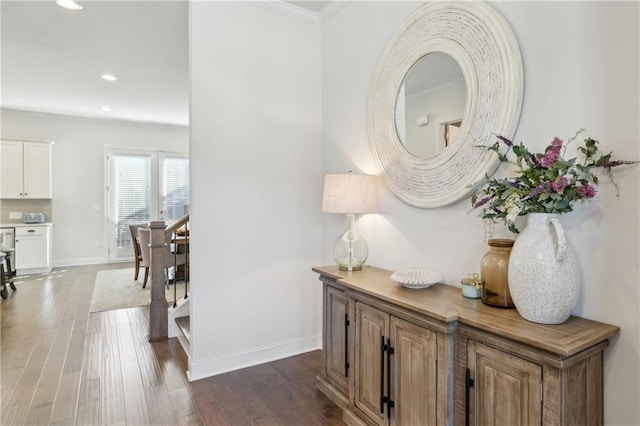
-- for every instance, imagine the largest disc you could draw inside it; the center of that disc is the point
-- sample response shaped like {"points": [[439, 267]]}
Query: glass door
{"points": [[131, 199], [174, 186], [143, 186]]}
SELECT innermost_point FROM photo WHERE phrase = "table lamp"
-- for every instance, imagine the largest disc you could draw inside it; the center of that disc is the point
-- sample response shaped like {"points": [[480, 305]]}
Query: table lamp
{"points": [[350, 194]]}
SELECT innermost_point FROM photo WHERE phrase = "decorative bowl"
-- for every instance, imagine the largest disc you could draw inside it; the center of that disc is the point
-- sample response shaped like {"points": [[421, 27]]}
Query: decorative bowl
{"points": [[416, 277]]}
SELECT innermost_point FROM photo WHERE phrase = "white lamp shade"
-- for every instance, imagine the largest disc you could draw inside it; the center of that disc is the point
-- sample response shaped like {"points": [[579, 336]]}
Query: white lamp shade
{"points": [[350, 193]]}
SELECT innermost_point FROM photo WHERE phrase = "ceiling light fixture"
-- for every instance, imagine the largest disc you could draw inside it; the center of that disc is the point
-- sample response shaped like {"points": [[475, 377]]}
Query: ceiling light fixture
{"points": [[69, 4], [109, 77], [106, 109]]}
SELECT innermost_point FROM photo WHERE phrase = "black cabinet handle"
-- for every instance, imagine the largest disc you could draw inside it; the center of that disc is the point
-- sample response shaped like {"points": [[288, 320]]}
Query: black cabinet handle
{"points": [[468, 385], [346, 344], [390, 402], [382, 350]]}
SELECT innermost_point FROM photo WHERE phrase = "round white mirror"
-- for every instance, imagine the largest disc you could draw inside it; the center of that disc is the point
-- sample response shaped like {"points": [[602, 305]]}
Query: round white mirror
{"points": [[430, 105], [481, 43]]}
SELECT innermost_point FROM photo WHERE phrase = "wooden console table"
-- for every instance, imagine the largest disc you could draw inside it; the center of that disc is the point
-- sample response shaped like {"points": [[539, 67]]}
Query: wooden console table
{"points": [[401, 356]]}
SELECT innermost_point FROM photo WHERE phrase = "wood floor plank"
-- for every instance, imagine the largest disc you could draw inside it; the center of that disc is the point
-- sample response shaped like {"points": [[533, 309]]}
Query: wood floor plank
{"points": [[192, 420], [90, 391], [182, 403], [89, 414], [151, 372], [135, 400], [112, 395], [92, 363], [66, 402], [15, 414], [109, 334], [161, 407], [47, 388], [39, 416]]}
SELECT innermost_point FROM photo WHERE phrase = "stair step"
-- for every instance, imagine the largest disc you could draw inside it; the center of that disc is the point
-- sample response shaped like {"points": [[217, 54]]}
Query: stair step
{"points": [[184, 324]]}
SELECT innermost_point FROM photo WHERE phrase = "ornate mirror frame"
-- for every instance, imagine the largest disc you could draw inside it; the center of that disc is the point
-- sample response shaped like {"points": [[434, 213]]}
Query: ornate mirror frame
{"points": [[484, 45]]}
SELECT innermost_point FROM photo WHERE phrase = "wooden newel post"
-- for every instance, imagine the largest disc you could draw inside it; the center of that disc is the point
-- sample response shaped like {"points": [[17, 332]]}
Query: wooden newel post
{"points": [[158, 310]]}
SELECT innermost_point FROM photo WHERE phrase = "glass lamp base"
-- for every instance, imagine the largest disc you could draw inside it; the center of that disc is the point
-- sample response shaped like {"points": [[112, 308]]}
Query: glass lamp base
{"points": [[350, 250], [349, 268]]}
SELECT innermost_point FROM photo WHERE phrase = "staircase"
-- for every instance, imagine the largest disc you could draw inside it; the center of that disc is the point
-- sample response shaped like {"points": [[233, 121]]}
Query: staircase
{"points": [[184, 325], [161, 316], [180, 325], [170, 318]]}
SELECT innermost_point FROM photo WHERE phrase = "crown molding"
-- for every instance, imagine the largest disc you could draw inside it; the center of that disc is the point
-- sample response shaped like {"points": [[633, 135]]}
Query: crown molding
{"points": [[287, 9], [332, 9], [297, 12]]}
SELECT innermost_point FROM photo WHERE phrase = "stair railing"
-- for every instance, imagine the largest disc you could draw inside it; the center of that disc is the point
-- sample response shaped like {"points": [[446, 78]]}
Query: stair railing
{"points": [[158, 308]]}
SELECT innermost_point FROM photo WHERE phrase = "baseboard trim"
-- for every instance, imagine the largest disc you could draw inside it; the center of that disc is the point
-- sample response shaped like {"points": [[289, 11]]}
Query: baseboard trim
{"points": [[235, 361], [60, 263]]}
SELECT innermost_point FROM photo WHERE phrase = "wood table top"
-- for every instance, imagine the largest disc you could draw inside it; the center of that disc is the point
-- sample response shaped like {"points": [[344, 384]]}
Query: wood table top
{"points": [[446, 303]]}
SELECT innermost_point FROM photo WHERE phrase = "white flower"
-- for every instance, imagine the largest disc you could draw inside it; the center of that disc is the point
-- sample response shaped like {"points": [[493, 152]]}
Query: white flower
{"points": [[512, 207]]}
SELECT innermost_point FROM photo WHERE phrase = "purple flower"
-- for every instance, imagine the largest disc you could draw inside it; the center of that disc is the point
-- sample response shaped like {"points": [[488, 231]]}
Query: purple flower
{"points": [[587, 191], [546, 162], [505, 141], [536, 191], [618, 163], [552, 155], [559, 185], [556, 144], [482, 202], [514, 184]]}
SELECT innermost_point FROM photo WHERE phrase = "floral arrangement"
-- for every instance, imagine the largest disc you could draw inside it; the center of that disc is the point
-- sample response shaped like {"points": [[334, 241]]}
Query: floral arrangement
{"points": [[545, 182]]}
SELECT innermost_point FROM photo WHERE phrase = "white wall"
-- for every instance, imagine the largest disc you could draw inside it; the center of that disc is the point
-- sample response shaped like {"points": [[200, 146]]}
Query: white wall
{"points": [[581, 70], [255, 185], [78, 205], [442, 104]]}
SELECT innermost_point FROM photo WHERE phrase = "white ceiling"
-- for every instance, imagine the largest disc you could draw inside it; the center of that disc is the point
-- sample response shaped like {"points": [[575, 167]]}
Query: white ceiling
{"points": [[52, 58]]}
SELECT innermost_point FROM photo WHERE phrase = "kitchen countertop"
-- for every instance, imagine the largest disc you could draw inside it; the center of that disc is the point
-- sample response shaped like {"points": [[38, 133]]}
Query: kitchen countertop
{"points": [[21, 225]]}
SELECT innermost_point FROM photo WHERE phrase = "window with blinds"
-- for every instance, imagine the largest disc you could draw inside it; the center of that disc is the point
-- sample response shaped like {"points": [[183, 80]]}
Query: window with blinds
{"points": [[175, 187]]}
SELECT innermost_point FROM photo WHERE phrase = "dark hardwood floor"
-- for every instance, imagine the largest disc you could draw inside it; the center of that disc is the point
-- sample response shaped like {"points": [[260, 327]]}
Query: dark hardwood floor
{"points": [[61, 365]]}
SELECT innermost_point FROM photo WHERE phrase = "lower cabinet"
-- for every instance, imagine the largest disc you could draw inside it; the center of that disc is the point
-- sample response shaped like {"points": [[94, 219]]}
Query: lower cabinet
{"points": [[333, 380], [337, 339], [501, 386], [396, 356], [516, 384], [395, 369], [32, 249]]}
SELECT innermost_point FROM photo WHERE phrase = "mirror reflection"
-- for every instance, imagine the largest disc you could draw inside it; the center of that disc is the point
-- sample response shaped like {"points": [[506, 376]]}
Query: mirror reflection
{"points": [[430, 105]]}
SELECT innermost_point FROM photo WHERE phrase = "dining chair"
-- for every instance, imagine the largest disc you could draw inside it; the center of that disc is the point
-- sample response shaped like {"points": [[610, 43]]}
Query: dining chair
{"points": [[137, 255], [168, 259], [8, 267]]}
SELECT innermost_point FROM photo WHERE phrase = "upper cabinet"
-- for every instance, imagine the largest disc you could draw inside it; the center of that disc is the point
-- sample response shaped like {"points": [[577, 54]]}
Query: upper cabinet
{"points": [[25, 169]]}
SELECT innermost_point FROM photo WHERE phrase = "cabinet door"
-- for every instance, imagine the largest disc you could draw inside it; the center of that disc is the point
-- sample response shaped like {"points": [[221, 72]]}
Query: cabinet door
{"points": [[11, 182], [414, 374], [37, 170], [32, 252], [372, 330], [507, 390], [336, 342]]}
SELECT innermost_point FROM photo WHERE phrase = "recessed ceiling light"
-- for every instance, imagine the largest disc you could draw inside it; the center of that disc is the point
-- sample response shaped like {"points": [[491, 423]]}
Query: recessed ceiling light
{"points": [[69, 4], [106, 109], [109, 77]]}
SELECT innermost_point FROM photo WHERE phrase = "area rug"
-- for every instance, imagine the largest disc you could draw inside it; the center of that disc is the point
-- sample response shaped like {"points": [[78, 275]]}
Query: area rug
{"points": [[116, 289]]}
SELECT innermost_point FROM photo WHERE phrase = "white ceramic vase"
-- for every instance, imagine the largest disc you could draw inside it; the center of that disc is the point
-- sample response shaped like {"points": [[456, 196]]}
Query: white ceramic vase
{"points": [[544, 274]]}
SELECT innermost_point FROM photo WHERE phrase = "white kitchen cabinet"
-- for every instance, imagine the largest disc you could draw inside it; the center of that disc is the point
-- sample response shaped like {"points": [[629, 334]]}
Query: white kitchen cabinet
{"points": [[25, 169], [33, 252]]}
